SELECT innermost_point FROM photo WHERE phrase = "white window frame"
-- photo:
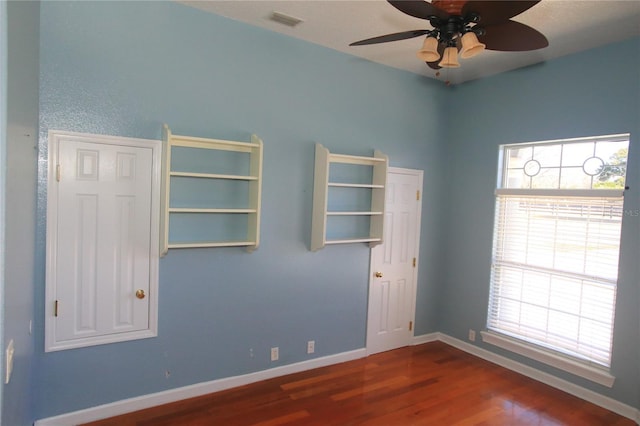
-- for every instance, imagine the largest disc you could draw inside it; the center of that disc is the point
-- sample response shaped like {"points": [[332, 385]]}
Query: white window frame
{"points": [[585, 369]]}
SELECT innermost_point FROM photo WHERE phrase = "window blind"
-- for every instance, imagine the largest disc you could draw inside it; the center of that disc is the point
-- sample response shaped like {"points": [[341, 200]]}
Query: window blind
{"points": [[554, 271]]}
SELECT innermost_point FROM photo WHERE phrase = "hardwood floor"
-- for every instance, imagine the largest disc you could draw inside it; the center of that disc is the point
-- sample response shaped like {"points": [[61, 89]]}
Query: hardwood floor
{"points": [[430, 384]]}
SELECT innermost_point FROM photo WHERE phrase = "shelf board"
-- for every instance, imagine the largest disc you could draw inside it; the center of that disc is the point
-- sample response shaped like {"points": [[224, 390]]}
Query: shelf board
{"points": [[212, 244], [211, 176], [355, 185], [203, 143], [353, 240], [354, 159], [354, 213], [205, 210]]}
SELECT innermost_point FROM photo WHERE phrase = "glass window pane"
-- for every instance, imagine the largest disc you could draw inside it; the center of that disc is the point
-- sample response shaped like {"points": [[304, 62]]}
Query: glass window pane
{"points": [[546, 179], [535, 288], [548, 155], [570, 246], [511, 287], [516, 157], [574, 178], [516, 178], [565, 295], [574, 154], [597, 301], [563, 327], [509, 311], [612, 174], [607, 150], [534, 319]]}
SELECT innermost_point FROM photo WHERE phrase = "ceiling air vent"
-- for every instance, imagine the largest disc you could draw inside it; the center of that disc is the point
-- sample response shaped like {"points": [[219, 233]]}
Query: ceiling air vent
{"points": [[290, 21]]}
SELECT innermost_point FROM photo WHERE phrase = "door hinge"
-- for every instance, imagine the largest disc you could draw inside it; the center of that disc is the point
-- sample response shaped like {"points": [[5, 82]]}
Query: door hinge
{"points": [[418, 195], [414, 262], [410, 325], [55, 309], [58, 172]]}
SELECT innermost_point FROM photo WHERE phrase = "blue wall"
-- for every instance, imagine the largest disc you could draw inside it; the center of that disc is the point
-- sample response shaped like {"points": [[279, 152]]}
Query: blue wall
{"points": [[126, 68], [20, 204], [579, 95]]}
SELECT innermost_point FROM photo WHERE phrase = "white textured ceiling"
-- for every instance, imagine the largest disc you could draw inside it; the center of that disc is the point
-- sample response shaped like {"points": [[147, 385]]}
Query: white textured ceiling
{"points": [[569, 25]]}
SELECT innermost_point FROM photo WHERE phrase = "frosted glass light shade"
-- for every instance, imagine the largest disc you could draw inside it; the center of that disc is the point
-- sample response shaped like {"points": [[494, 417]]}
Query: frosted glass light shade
{"points": [[470, 45], [450, 58], [429, 51]]}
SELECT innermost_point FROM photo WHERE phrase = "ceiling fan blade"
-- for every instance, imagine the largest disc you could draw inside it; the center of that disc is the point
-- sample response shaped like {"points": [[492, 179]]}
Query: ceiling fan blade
{"points": [[418, 8], [390, 37], [494, 12], [512, 36]]}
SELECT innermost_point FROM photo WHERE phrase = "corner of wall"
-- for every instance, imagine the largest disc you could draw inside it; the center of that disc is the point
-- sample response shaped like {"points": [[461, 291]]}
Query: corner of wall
{"points": [[22, 103]]}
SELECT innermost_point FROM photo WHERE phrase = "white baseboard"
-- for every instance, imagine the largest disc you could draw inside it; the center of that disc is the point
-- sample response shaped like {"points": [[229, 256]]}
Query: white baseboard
{"points": [[425, 338], [146, 401], [596, 375], [546, 378]]}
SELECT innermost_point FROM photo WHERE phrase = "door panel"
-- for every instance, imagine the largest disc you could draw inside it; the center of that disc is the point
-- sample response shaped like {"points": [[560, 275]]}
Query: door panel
{"points": [[392, 295], [103, 243], [103, 239]]}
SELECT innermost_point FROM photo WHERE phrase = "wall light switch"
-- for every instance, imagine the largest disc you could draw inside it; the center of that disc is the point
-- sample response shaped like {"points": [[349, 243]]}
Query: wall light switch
{"points": [[9, 359]]}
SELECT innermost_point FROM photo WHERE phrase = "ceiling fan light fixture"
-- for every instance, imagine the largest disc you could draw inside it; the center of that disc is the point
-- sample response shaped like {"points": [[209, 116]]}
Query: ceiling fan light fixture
{"points": [[429, 51], [470, 45], [450, 58]]}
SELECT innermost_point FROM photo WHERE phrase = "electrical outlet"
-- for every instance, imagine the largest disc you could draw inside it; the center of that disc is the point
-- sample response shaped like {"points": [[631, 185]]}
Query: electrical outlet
{"points": [[275, 354], [472, 335], [311, 346], [251, 354]]}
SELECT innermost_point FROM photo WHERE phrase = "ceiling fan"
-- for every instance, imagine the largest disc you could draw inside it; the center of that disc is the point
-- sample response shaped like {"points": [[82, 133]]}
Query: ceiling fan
{"points": [[467, 27]]}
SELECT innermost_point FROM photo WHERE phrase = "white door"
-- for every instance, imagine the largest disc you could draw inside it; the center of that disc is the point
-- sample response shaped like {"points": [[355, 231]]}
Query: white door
{"points": [[392, 285], [102, 244]]}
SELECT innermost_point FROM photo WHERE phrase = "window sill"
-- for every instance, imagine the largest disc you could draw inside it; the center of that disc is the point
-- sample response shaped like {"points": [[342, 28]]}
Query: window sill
{"points": [[590, 373]]}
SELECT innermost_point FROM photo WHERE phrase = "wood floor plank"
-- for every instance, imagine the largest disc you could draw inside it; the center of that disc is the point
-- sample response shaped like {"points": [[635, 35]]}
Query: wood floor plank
{"points": [[430, 384]]}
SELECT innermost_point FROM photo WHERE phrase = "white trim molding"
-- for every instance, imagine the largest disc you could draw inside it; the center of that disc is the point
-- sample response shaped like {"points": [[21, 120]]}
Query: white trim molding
{"points": [[546, 378], [425, 338], [590, 373], [146, 401]]}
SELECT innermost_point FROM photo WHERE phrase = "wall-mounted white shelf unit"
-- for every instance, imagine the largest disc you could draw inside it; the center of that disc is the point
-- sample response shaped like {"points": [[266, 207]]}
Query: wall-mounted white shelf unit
{"points": [[348, 198], [211, 192]]}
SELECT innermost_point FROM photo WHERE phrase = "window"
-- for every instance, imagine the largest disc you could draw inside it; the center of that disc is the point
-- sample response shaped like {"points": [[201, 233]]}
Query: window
{"points": [[559, 208]]}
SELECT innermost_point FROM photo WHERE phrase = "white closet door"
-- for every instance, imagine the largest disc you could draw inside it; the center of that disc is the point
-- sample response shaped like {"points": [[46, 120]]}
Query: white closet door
{"points": [[392, 285], [102, 264]]}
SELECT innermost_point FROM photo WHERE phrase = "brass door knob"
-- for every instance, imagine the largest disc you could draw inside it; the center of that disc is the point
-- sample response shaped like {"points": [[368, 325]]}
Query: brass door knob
{"points": [[378, 274], [140, 294]]}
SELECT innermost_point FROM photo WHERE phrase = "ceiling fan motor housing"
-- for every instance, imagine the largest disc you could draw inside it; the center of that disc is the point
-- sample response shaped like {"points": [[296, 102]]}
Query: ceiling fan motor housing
{"points": [[453, 27], [452, 7]]}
